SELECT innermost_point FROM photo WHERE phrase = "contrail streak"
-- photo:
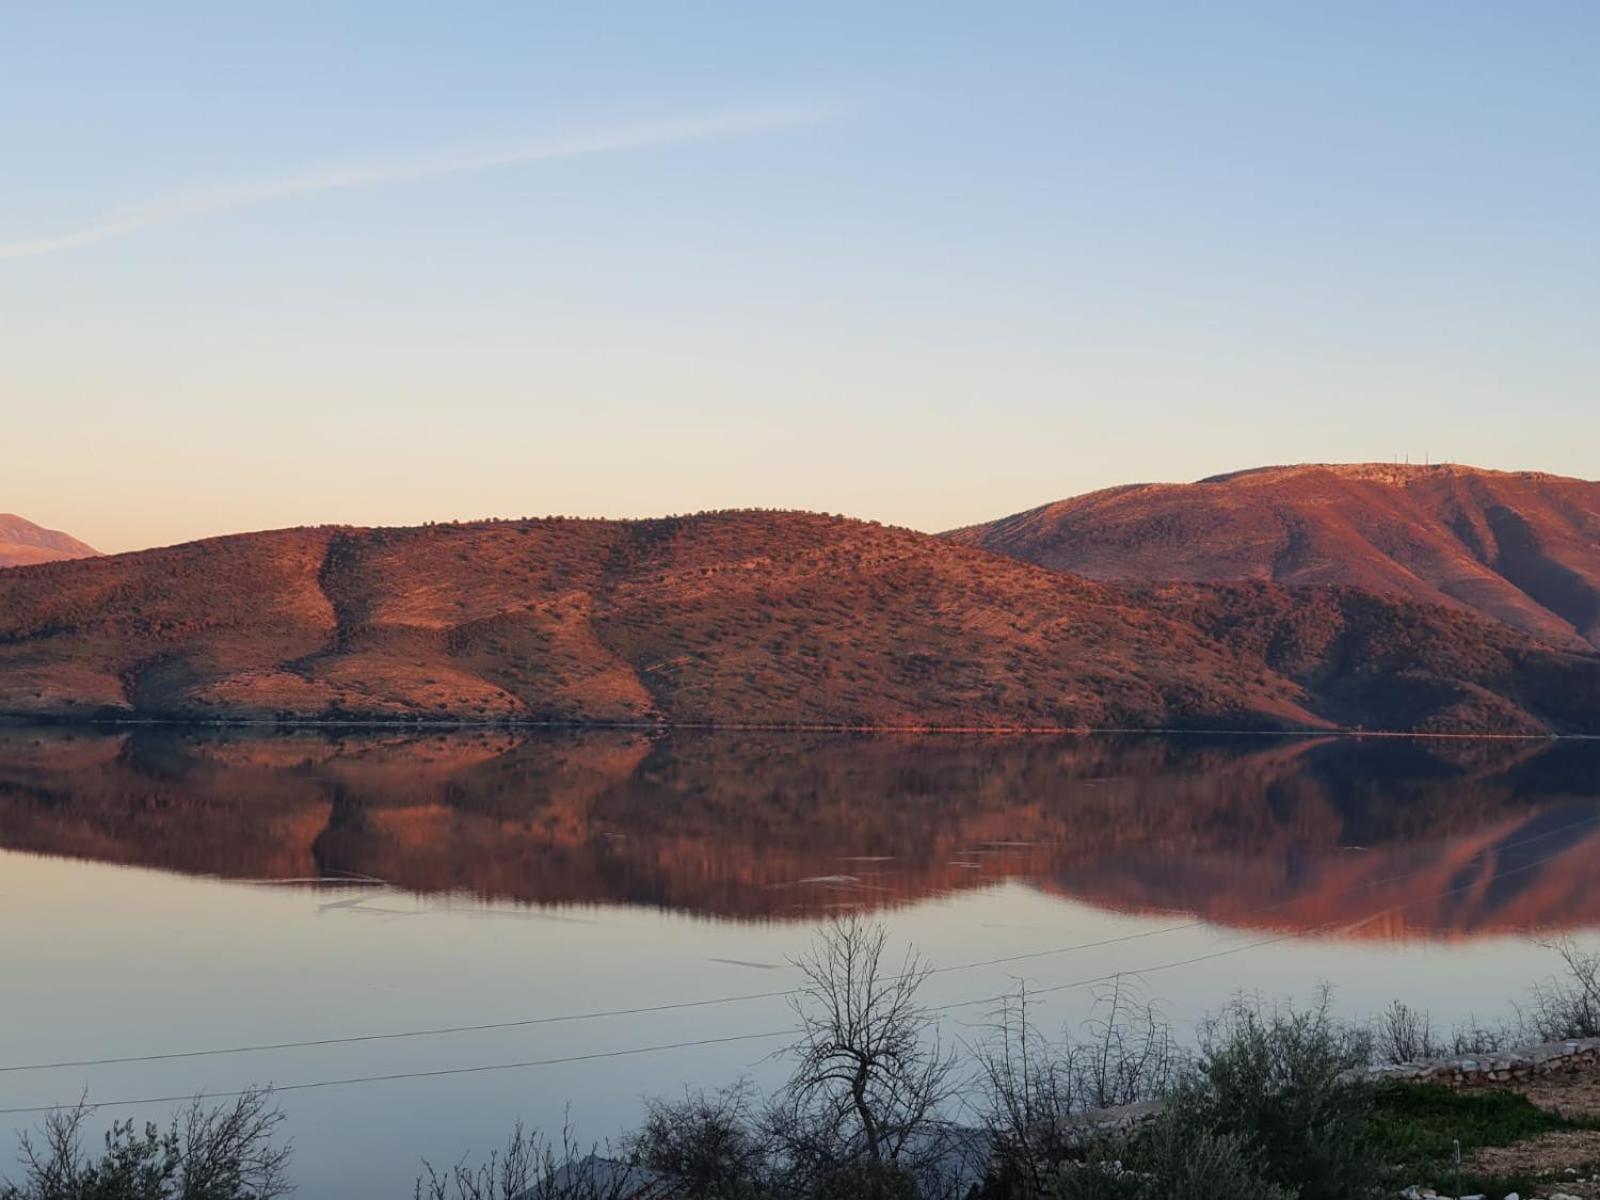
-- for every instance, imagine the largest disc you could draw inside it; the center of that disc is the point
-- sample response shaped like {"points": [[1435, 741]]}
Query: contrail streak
{"points": [[182, 206]]}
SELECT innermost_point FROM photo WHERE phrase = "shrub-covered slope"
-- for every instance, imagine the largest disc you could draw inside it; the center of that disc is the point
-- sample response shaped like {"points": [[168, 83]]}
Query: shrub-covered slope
{"points": [[725, 618]]}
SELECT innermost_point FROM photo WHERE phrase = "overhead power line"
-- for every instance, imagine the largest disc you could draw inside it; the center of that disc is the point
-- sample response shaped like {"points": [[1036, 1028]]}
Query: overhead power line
{"points": [[602, 1054], [399, 1075], [771, 1035], [740, 998], [563, 1018]]}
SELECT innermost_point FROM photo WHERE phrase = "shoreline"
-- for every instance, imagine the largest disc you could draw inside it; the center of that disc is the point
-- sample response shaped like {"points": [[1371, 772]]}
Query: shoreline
{"points": [[668, 727]]}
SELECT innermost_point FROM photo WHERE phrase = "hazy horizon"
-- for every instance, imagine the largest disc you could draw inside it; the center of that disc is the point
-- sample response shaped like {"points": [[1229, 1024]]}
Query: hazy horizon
{"points": [[385, 267], [631, 516]]}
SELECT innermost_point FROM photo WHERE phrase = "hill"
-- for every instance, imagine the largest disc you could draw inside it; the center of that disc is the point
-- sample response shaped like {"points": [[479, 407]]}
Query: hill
{"points": [[23, 544], [1523, 548], [736, 618]]}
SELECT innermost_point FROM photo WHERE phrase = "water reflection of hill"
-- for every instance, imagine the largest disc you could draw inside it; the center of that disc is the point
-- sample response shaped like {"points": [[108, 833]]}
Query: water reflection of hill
{"points": [[1455, 838]]}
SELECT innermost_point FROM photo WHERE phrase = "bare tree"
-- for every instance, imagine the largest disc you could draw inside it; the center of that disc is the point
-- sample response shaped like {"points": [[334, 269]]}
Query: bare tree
{"points": [[871, 1079]]}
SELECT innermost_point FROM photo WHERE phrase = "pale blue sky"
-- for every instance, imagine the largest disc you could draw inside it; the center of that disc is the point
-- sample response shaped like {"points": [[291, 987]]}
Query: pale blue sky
{"points": [[272, 264]]}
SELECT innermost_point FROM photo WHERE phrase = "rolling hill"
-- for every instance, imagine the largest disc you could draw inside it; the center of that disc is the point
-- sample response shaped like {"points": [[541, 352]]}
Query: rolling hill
{"points": [[24, 544], [737, 618], [1523, 548]]}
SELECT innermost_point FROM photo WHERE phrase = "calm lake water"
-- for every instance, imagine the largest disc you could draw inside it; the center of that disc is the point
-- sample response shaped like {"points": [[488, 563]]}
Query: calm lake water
{"points": [[166, 891]]}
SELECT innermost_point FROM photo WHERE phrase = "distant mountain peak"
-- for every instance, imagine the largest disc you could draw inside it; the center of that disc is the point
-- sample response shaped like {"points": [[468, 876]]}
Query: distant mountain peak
{"points": [[24, 544]]}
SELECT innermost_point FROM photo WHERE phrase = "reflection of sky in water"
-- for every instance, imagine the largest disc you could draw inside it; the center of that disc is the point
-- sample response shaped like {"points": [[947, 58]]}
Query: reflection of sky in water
{"points": [[111, 960], [538, 876]]}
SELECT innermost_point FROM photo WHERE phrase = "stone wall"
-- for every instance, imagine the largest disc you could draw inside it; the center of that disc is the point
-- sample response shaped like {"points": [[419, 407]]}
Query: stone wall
{"points": [[1493, 1070], [1464, 1071]]}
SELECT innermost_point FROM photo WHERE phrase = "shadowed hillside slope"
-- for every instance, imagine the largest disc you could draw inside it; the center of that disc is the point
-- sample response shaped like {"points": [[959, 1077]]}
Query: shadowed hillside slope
{"points": [[730, 618], [1374, 661], [23, 544], [1523, 547]]}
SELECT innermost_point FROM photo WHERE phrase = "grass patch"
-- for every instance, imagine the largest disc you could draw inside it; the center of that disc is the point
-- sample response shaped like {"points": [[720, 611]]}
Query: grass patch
{"points": [[1418, 1124]]}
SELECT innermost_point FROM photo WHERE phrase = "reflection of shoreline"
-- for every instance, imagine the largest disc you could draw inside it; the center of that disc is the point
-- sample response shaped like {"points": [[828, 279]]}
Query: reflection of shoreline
{"points": [[1505, 879], [1243, 832], [417, 728]]}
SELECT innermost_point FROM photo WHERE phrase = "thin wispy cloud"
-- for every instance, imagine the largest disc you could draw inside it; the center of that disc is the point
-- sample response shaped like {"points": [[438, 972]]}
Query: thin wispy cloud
{"points": [[183, 206]]}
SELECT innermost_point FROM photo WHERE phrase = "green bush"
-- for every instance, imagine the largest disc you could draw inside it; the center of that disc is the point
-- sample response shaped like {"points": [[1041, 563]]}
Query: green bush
{"points": [[1197, 1164], [1172, 1159], [1100, 1177], [1274, 1080], [866, 1180]]}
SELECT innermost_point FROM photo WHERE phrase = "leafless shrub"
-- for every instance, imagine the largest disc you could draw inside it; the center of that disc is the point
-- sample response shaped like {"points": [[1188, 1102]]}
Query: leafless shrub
{"points": [[228, 1150], [706, 1145], [1403, 1034], [1132, 1054], [1568, 1006], [532, 1167], [222, 1152], [55, 1165], [1473, 1038], [1027, 1091], [1032, 1087]]}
